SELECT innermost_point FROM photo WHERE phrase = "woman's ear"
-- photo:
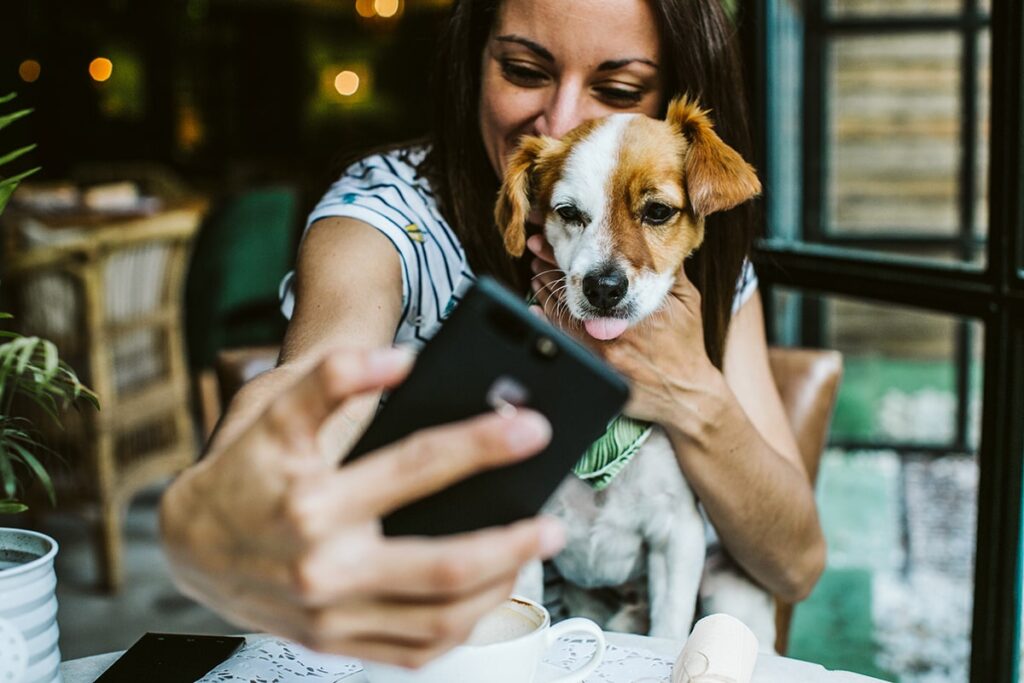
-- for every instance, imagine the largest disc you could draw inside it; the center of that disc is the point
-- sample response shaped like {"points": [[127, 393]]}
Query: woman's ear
{"points": [[717, 177], [516, 192]]}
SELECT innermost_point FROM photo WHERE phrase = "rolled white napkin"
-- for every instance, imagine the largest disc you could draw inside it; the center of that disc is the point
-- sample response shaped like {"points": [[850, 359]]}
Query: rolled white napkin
{"points": [[721, 649]]}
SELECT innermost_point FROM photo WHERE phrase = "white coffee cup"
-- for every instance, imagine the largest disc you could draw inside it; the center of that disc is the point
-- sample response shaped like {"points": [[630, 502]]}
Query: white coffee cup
{"points": [[507, 646]]}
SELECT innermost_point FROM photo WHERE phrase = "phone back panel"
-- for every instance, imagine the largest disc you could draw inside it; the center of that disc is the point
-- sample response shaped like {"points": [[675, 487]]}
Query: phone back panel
{"points": [[492, 344]]}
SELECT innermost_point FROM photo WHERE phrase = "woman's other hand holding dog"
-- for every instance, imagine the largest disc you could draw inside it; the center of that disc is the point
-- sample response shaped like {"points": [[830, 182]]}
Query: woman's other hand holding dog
{"points": [[728, 428], [663, 357]]}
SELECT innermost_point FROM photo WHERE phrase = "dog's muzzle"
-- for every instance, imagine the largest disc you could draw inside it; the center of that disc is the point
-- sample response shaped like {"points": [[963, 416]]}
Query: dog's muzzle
{"points": [[605, 288]]}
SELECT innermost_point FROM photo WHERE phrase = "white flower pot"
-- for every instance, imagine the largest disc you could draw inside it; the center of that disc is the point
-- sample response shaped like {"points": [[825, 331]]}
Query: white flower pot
{"points": [[28, 608]]}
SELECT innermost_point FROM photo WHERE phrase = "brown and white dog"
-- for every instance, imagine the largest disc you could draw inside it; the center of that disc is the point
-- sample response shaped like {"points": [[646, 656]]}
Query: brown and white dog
{"points": [[624, 200]]}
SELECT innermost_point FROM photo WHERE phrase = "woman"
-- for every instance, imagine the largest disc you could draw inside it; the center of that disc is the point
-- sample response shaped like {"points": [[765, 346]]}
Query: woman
{"points": [[269, 532]]}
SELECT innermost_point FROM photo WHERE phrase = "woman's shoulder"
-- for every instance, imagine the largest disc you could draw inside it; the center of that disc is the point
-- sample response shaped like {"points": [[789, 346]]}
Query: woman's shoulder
{"points": [[395, 165], [386, 186]]}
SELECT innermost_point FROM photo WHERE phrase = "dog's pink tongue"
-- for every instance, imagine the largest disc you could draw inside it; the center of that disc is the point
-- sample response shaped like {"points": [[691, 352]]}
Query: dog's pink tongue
{"points": [[605, 328]]}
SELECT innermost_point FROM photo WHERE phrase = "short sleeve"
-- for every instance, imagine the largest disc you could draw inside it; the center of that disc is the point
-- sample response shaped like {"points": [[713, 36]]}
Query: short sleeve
{"points": [[385, 192]]}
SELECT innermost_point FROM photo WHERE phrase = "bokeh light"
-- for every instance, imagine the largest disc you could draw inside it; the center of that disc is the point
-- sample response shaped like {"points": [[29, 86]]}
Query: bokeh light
{"points": [[365, 9], [101, 68], [386, 8], [29, 70], [346, 83]]}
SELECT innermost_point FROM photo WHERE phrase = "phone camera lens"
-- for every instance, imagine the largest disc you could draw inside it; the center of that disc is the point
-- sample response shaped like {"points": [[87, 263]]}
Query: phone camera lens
{"points": [[546, 347]]}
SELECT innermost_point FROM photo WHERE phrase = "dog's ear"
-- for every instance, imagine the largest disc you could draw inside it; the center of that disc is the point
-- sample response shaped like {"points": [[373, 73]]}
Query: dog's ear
{"points": [[515, 194], [717, 177]]}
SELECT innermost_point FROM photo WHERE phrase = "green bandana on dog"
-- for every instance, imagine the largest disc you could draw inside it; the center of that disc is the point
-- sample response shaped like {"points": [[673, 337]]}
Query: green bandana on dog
{"points": [[609, 454]]}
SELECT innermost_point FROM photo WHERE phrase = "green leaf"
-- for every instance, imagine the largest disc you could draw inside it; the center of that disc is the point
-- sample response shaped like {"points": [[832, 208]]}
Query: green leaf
{"points": [[40, 471], [5, 316], [12, 117], [11, 507], [45, 402], [8, 97], [16, 153], [51, 360], [26, 439], [27, 351], [7, 474], [5, 195], [9, 351], [15, 179]]}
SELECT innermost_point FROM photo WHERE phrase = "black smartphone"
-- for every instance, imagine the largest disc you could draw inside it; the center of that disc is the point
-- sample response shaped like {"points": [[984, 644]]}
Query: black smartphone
{"points": [[171, 658], [492, 353]]}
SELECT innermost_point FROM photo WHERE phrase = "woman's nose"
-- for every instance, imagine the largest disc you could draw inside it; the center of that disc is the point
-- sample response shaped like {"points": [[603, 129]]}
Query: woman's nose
{"points": [[566, 110]]}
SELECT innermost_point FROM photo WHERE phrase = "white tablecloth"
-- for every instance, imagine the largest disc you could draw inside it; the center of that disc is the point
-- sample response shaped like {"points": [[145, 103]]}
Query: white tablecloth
{"points": [[630, 658]]}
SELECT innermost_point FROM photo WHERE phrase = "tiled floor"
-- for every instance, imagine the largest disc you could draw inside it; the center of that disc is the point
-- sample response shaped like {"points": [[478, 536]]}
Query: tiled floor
{"points": [[895, 600]]}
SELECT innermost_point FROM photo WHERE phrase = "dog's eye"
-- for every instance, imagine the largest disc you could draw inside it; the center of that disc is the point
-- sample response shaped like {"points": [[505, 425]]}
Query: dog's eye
{"points": [[570, 214], [656, 213]]}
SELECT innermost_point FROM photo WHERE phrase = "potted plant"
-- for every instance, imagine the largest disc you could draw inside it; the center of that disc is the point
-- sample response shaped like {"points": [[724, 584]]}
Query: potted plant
{"points": [[30, 371]]}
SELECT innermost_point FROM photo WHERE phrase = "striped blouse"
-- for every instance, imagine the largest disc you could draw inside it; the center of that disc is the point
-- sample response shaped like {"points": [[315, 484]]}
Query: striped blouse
{"points": [[385, 191]]}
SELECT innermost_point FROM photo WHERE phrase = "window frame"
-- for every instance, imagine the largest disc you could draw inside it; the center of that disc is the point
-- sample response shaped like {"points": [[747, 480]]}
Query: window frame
{"points": [[992, 294]]}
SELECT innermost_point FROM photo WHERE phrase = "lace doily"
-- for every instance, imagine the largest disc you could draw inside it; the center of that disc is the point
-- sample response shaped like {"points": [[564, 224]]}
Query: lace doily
{"points": [[271, 660]]}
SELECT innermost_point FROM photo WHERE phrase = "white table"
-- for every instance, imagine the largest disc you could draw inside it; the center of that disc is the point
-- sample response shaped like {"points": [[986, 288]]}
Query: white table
{"points": [[770, 668]]}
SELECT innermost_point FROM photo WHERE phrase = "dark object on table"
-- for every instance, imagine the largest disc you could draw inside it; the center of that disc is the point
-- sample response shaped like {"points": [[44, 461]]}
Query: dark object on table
{"points": [[171, 658]]}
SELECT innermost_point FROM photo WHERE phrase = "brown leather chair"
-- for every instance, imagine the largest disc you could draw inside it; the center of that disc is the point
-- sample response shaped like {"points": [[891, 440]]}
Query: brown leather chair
{"points": [[807, 380], [808, 383]]}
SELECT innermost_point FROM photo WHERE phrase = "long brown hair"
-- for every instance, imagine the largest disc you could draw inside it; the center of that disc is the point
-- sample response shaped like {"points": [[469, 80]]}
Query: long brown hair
{"points": [[699, 57]]}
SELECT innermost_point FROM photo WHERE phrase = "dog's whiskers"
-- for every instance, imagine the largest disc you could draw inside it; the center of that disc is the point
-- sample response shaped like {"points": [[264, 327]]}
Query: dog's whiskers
{"points": [[545, 272]]}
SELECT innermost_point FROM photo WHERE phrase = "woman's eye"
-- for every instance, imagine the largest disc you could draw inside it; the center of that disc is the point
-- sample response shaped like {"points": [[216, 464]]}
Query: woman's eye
{"points": [[570, 214], [656, 213], [521, 74], [620, 97]]}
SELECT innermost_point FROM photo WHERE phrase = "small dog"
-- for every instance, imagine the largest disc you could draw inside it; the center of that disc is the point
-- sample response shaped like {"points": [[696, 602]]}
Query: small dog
{"points": [[624, 199]]}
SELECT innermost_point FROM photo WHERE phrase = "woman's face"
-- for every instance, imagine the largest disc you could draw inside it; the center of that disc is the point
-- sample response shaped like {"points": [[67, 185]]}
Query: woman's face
{"points": [[550, 65]]}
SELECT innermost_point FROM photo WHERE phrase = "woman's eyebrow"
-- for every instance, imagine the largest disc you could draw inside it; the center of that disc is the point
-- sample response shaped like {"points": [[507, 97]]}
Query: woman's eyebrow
{"points": [[533, 47], [545, 54], [614, 64]]}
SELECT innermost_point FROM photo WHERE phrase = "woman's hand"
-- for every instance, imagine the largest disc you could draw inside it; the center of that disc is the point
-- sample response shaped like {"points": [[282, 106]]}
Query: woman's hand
{"points": [[273, 536], [663, 357]]}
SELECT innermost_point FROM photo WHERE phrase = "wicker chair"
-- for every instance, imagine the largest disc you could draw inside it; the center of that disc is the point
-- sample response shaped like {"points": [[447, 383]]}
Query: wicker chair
{"points": [[108, 292]]}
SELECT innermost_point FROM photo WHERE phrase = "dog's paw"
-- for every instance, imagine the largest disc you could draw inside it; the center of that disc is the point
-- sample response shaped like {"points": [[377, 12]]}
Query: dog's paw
{"points": [[630, 619]]}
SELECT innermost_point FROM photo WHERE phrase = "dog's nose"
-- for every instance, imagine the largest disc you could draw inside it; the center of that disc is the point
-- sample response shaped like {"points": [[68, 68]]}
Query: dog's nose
{"points": [[604, 289]]}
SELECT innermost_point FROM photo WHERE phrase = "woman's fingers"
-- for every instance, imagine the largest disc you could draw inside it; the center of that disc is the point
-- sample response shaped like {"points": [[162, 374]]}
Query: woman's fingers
{"points": [[421, 464], [467, 563], [408, 568], [436, 623], [295, 417], [548, 285], [538, 244], [684, 290]]}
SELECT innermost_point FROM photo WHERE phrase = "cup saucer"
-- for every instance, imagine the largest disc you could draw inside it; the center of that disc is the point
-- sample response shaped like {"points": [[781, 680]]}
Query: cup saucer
{"points": [[547, 672]]}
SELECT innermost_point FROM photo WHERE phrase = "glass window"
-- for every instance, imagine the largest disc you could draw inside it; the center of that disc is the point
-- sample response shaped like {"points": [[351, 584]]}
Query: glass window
{"points": [[893, 136], [897, 494], [981, 156], [872, 8], [876, 138]]}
